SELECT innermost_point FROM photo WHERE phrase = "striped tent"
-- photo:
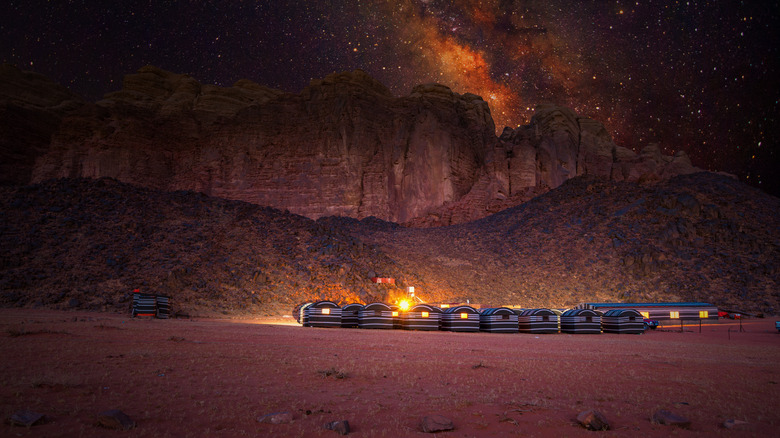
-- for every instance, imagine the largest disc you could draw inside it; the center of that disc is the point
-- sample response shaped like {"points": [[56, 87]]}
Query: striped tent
{"points": [[396, 314], [627, 321], [421, 317], [579, 321], [349, 315], [375, 316], [163, 307], [144, 305], [498, 320], [537, 321], [299, 313], [460, 319], [322, 314]]}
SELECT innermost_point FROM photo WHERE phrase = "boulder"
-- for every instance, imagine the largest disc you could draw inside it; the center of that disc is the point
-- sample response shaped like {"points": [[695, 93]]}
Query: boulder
{"points": [[340, 427], [436, 423], [593, 420], [25, 418], [670, 419], [276, 418], [115, 419], [732, 424]]}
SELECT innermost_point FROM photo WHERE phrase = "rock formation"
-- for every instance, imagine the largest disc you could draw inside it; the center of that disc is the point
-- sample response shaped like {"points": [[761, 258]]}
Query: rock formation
{"points": [[343, 146], [31, 109]]}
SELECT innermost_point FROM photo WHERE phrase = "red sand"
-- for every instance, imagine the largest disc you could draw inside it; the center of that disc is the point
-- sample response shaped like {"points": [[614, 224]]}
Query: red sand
{"points": [[207, 377]]}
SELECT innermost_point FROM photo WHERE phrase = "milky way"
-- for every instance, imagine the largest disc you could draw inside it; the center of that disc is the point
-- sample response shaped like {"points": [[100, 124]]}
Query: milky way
{"points": [[699, 76]]}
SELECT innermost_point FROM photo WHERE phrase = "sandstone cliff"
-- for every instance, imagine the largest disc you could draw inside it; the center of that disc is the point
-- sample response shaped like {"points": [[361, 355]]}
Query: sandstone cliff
{"points": [[31, 109], [343, 146]]}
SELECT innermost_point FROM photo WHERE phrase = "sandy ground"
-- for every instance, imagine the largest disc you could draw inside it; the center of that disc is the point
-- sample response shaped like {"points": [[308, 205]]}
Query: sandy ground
{"points": [[208, 377]]}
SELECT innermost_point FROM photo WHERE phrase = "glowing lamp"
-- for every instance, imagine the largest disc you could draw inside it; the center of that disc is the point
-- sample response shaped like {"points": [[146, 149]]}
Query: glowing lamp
{"points": [[445, 306], [645, 315], [704, 314], [404, 305], [674, 314], [326, 311], [464, 315], [395, 313], [424, 314]]}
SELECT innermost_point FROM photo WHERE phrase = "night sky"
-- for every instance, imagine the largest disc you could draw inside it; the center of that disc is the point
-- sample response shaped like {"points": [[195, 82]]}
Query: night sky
{"points": [[701, 76]]}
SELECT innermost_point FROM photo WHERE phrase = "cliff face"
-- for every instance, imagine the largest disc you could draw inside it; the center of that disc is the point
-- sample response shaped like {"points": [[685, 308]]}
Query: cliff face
{"points": [[343, 146], [31, 109]]}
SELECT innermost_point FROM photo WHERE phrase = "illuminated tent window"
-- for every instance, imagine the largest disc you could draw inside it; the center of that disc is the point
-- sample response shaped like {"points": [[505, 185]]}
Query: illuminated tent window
{"points": [[704, 314], [395, 313], [464, 315], [645, 315], [445, 306], [424, 314], [326, 311], [674, 314]]}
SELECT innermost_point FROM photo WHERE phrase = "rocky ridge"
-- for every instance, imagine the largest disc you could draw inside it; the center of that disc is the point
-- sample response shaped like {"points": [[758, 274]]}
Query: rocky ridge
{"points": [[342, 146], [82, 243]]}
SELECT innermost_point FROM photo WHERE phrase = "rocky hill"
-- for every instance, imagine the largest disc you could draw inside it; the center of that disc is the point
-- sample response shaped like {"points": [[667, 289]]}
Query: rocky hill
{"points": [[342, 146], [82, 243]]}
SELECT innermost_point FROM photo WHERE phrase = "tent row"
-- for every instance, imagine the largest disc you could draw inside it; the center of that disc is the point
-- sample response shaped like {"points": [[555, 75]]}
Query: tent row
{"points": [[151, 305], [467, 319]]}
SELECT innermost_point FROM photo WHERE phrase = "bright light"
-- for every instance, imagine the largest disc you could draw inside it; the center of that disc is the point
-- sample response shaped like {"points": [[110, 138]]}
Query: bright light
{"points": [[464, 315], [424, 314], [674, 314], [445, 306], [645, 314], [326, 311], [704, 314], [404, 305], [395, 313]]}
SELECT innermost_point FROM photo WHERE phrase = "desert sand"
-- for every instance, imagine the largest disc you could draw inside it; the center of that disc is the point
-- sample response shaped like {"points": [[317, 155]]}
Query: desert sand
{"points": [[214, 377]]}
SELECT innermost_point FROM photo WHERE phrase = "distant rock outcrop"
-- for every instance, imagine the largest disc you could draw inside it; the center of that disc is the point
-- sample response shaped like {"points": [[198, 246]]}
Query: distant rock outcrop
{"points": [[31, 109], [343, 146]]}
